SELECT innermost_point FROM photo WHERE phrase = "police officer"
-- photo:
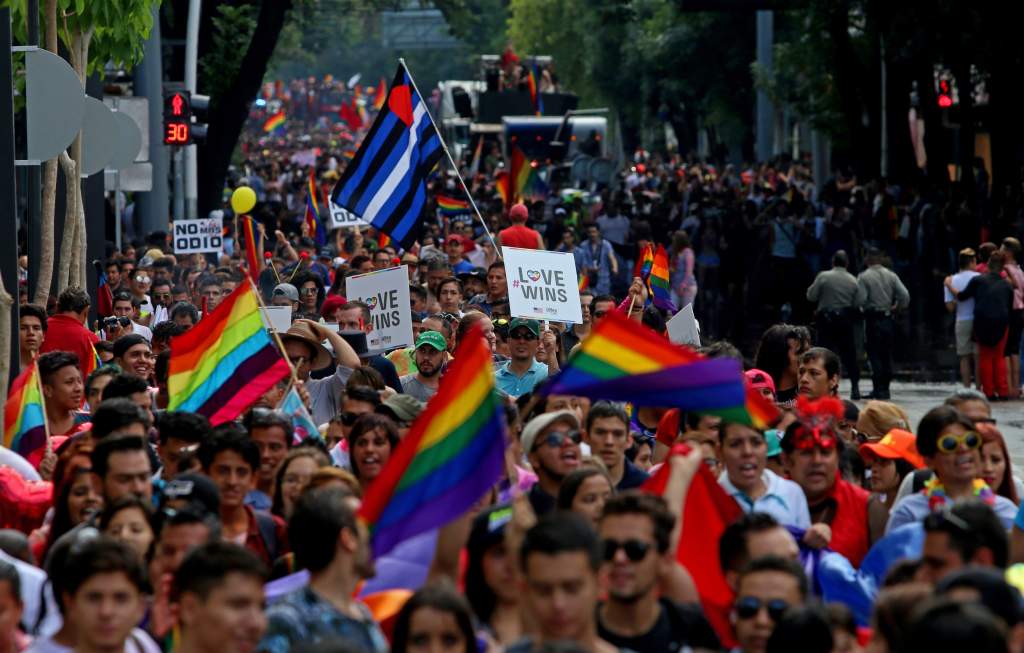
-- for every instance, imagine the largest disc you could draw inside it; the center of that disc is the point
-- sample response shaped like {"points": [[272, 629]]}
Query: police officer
{"points": [[879, 294], [835, 292]]}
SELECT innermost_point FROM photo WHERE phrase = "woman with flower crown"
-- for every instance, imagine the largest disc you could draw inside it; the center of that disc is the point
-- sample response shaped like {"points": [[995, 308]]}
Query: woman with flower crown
{"points": [[951, 446]]}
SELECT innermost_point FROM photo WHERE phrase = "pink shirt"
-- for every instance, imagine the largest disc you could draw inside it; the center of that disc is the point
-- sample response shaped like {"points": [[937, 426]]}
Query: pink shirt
{"points": [[1014, 271]]}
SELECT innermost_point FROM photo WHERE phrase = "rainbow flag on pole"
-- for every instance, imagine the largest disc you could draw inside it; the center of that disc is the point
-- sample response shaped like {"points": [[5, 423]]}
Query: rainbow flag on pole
{"points": [[450, 206], [24, 414], [644, 263], [453, 454], [316, 225], [250, 233], [623, 361], [274, 122], [226, 362], [658, 281]]}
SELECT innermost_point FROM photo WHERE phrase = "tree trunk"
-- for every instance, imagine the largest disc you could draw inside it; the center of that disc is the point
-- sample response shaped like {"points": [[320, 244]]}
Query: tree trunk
{"points": [[72, 251], [229, 113], [48, 208], [70, 221], [6, 303]]}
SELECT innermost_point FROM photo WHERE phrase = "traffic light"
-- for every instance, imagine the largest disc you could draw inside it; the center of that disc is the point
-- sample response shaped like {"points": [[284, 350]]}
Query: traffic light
{"points": [[944, 96], [200, 111], [177, 118]]}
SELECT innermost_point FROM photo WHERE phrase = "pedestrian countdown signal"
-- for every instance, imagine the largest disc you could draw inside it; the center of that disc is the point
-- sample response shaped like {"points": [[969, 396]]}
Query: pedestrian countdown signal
{"points": [[177, 118]]}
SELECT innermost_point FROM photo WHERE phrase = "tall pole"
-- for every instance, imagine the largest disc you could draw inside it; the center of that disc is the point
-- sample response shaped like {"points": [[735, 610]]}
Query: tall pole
{"points": [[8, 230], [179, 185], [765, 130], [33, 186], [153, 208], [191, 61]]}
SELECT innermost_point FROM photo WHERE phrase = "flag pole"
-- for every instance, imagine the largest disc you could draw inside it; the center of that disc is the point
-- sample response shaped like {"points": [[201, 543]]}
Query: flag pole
{"points": [[444, 146], [273, 332]]}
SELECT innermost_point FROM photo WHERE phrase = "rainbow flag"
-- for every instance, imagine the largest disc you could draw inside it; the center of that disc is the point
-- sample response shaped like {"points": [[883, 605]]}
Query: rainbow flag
{"points": [[274, 122], [453, 454], [222, 365], [313, 220], [249, 235], [658, 281], [644, 263], [91, 365], [450, 206], [584, 282], [383, 240], [502, 183], [24, 414], [531, 84], [381, 95], [623, 361]]}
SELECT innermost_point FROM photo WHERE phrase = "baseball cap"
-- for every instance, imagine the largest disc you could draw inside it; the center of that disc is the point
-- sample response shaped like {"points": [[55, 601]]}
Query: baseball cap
{"points": [[286, 290], [771, 436], [475, 273], [432, 338], [897, 443], [760, 379], [401, 407], [325, 253], [488, 528], [518, 211], [124, 343], [532, 325], [541, 422], [879, 417], [197, 490]]}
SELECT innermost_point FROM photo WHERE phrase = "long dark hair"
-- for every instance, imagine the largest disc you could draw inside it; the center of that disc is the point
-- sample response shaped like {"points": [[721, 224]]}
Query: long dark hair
{"points": [[440, 598], [773, 351], [369, 422], [318, 456], [61, 523]]}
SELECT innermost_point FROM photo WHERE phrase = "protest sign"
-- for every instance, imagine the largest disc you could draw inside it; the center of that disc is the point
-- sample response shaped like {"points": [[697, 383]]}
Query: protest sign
{"points": [[386, 292], [340, 217], [198, 236], [683, 328], [278, 318], [542, 285]]}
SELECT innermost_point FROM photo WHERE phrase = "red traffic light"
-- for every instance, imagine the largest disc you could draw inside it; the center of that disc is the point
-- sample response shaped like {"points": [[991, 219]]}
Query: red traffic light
{"points": [[176, 133], [177, 105]]}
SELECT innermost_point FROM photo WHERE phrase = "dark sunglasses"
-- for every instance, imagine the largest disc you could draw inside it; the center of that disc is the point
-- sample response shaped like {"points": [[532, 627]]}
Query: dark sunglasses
{"points": [[523, 335], [349, 418], [747, 607], [635, 549], [556, 438]]}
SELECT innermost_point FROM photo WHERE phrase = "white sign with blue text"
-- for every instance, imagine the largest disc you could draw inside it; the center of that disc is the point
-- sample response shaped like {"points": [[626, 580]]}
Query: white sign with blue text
{"points": [[542, 285]]}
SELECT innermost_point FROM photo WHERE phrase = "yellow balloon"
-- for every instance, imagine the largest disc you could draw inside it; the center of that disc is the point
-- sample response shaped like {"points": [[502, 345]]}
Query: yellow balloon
{"points": [[242, 200]]}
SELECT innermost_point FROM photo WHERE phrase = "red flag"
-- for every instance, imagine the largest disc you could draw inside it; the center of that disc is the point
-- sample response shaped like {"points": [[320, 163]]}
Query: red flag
{"points": [[249, 235], [349, 114], [707, 512], [104, 297]]}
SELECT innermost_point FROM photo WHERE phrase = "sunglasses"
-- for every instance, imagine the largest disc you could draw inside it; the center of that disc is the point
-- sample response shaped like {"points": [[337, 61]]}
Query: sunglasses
{"points": [[635, 549], [523, 335], [307, 291], [349, 418], [950, 443], [555, 439], [141, 279], [747, 607]]}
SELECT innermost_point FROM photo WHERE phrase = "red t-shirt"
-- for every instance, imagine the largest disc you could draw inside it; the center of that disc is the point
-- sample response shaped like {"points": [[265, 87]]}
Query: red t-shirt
{"points": [[519, 235], [66, 333]]}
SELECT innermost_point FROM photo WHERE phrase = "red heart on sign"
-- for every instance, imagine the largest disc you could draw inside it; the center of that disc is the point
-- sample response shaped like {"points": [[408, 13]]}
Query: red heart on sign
{"points": [[400, 103]]}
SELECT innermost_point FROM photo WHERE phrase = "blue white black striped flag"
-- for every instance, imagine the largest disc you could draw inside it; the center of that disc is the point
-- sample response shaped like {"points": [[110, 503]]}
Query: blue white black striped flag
{"points": [[384, 182]]}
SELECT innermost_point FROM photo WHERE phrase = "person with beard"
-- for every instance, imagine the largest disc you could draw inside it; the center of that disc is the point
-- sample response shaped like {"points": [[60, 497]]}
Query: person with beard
{"points": [[636, 532], [551, 442], [335, 547], [430, 357]]}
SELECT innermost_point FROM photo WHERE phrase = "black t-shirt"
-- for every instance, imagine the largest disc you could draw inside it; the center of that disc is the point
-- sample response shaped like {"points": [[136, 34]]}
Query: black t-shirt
{"points": [[677, 626]]}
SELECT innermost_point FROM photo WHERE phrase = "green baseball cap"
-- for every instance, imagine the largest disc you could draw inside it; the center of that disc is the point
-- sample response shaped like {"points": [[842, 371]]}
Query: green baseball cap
{"points": [[771, 436], [432, 338], [532, 325]]}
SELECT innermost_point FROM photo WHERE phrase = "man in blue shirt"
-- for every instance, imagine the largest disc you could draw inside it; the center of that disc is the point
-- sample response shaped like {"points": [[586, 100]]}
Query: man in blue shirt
{"points": [[522, 372]]}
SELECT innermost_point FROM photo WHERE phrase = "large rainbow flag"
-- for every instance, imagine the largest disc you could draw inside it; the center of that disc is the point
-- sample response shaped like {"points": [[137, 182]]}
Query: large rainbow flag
{"points": [[624, 361], [24, 415], [452, 455], [226, 362]]}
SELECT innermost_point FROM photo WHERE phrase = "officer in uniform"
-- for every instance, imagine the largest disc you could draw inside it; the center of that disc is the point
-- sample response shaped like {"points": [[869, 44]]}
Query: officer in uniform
{"points": [[879, 294], [835, 292]]}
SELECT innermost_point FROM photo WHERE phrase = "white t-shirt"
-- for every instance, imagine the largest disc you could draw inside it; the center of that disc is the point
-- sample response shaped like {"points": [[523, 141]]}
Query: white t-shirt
{"points": [[138, 642], [964, 309]]}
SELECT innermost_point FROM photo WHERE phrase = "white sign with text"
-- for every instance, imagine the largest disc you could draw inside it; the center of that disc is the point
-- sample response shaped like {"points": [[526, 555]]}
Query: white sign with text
{"points": [[386, 292], [343, 218], [198, 236], [542, 285]]}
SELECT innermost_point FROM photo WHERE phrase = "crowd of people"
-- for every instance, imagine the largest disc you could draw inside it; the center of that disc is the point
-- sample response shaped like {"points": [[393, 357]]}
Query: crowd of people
{"points": [[143, 529]]}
